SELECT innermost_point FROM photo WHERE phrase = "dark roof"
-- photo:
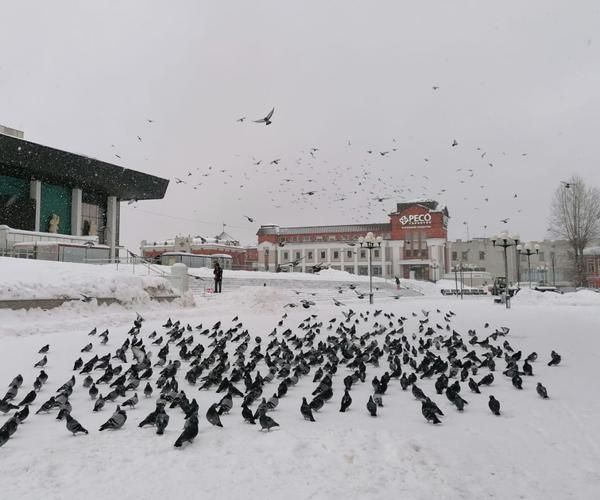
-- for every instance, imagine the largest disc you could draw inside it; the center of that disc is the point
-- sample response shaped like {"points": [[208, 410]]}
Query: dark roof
{"points": [[27, 159]]}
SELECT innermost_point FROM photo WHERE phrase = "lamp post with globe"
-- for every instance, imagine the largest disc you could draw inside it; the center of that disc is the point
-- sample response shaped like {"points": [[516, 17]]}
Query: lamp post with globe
{"points": [[529, 250], [370, 242], [505, 240]]}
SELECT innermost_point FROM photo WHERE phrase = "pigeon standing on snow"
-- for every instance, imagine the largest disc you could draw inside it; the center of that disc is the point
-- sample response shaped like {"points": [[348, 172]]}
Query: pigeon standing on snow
{"points": [[555, 359], [306, 411], [494, 405], [162, 420], [5, 406], [116, 421], [266, 422], [346, 401], [148, 390], [30, 398], [247, 414], [73, 425], [131, 401], [541, 390], [212, 415], [42, 362], [372, 407], [429, 412], [190, 431]]}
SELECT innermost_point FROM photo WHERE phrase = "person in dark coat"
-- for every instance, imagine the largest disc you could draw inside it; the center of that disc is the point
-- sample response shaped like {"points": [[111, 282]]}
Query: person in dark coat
{"points": [[397, 283], [218, 273]]}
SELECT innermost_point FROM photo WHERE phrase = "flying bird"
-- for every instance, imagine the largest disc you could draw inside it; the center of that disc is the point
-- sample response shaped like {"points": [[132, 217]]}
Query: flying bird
{"points": [[267, 119]]}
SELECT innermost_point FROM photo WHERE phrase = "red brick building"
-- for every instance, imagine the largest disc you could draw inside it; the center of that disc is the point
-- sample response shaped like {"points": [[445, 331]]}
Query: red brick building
{"points": [[591, 262], [242, 257], [415, 244]]}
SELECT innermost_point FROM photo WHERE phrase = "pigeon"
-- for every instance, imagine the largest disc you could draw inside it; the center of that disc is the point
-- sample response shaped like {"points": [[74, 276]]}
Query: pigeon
{"points": [[474, 386], [30, 398], [487, 380], [10, 426], [17, 381], [5, 406], [88, 381], [517, 381], [267, 119], [494, 405], [73, 425], [418, 393], [247, 414], [93, 392], [541, 390], [42, 362], [44, 349], [317, 403], [37, 384], [116, 421], [131, 401], [22, 415], [162, 420], [346, 401], [212, 415], [148, 390], [532, 357], [372, 407], [429, 412], [3, 437], [266, 422], [190, 431], [306, 411], [47, 406], [87, 348], [555, 359], [99, 404], [225, 405]]}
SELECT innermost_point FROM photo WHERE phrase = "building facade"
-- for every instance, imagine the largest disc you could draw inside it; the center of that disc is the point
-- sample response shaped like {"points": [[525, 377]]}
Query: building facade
{"points": [[414, 245], [223, 244], [591, 262], [48, 195], [551, 265]]}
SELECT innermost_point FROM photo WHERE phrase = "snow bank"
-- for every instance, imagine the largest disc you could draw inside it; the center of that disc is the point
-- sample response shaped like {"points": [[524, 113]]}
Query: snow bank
{"points": [[37, 279]]}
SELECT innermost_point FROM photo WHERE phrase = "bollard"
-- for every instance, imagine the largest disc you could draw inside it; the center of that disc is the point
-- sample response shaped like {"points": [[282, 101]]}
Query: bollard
{"points": [[179, 278]]}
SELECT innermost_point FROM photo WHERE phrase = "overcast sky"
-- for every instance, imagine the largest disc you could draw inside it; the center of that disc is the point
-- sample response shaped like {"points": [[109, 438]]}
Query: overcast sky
{"points": [[519, 90]]}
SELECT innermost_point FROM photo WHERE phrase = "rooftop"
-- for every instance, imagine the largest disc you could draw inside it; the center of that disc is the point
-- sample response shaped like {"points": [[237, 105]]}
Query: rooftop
{"points": [[22, 158]]}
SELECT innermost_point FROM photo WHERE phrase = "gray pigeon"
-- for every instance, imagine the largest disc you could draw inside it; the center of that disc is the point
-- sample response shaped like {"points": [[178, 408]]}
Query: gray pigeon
{"points": [[116, 421]]}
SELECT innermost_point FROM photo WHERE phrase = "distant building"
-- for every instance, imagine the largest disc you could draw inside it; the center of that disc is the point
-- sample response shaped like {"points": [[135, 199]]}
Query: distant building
{"points": [[591, 262], [223, 244], [53, 197], [414, 244], [552, 265]]}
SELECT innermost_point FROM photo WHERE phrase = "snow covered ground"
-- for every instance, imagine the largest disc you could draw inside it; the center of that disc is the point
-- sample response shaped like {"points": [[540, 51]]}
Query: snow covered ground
{"points": [[535, 449], [38, 279]]}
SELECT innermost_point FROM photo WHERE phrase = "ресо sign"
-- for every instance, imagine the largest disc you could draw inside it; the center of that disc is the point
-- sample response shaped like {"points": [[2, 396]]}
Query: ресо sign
{"points": [[419, 219]]}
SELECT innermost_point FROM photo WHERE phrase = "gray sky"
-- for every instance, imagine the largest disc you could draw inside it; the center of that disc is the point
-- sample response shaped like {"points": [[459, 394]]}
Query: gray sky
{"points": [[345, 77]]}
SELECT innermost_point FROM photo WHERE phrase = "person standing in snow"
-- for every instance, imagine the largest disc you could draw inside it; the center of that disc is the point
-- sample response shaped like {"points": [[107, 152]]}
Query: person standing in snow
{"points": [[397, 283], [218, 274]]}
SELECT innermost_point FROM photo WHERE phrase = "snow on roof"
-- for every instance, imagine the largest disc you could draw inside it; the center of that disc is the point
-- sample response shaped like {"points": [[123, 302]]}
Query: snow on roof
{"points": [[591, 251]]}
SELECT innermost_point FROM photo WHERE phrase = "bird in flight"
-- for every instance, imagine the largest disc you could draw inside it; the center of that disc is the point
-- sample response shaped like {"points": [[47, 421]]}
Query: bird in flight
{"points": [[267, 119], [276, 161], [567, 184], [139, 138], [250, 219], [179, 181], [241, 120], [505, 220], [435, 87], [454, 143]]}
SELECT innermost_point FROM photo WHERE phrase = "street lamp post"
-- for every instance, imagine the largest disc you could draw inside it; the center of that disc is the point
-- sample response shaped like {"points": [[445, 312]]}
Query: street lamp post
{"points": [[370, 242], [542, 270], [434, 267], [528, 250], [505, 241]]}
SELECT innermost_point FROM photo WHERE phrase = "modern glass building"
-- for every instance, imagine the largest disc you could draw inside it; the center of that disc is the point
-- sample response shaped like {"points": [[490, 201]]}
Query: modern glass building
{"points": [[51, 195]]}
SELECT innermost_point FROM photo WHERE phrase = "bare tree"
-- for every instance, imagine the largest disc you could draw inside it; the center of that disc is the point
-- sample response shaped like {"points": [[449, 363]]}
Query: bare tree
{"points": [[575, 217]]}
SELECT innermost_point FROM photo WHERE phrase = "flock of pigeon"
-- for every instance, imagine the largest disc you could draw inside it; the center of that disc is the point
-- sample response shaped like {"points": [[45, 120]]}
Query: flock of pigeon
{"points": [[228, 361]]}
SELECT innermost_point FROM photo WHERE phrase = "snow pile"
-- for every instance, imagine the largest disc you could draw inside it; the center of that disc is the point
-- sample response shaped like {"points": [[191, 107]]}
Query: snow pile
{"points": [[37, 279], [578, 298], [527, 452]]}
